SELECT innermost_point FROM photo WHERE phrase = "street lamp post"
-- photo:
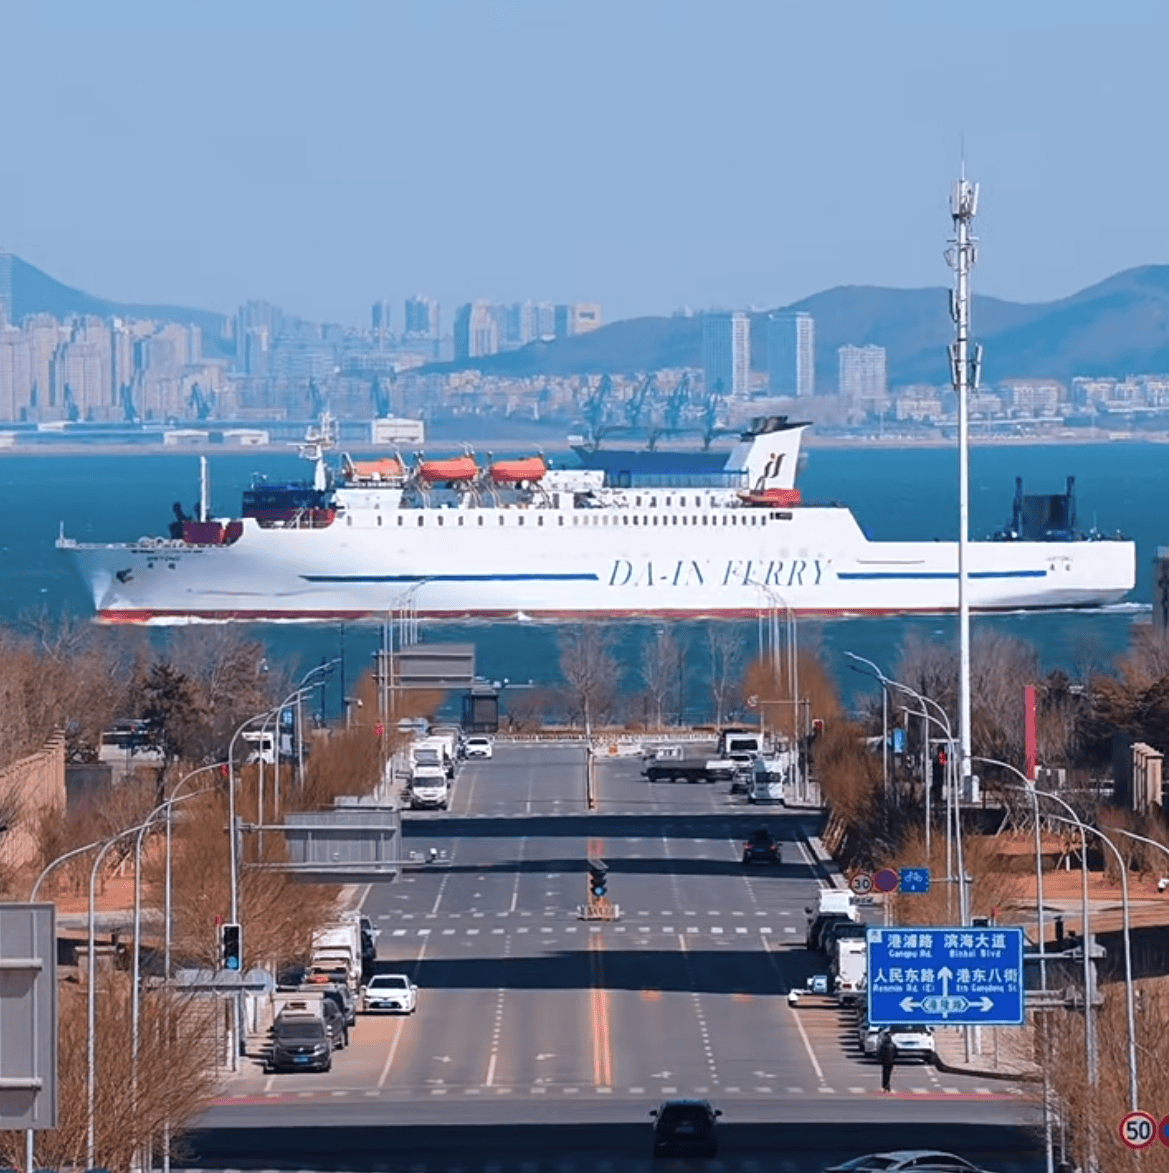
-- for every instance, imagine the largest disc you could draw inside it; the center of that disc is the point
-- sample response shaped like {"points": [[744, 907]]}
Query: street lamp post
{"points": [[1130, 1008], [91, 999], [953, 809]]}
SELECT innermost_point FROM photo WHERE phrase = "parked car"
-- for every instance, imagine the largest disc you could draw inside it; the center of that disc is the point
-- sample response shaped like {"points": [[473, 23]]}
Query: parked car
{"points": [[869, 1037], [685, 1128], [339, 993], [912, 1041], [905, 1160], [761, 847], [300, 1042], [390, 991], [820, 924], [477, 747], [335, 1023]]}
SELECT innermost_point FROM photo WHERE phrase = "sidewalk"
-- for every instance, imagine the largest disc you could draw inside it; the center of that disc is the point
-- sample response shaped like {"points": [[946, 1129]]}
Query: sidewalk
{"points": [[1006, 1052]]}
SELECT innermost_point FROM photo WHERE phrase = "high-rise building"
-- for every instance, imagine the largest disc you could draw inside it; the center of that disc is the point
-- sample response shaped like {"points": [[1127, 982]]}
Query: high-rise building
{"points": [[6, 313], [862, 373], [421, 317], [379, 318], [256, 315], [726, 353], [476, 330], [791, 354]]}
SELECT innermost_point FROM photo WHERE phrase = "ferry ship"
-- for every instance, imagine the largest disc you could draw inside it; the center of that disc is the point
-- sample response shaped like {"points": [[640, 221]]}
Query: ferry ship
{"points": [[461, 539]]}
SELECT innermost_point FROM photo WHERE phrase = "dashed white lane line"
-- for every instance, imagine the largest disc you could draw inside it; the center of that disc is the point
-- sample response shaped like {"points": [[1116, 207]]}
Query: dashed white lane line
{"points": [[401, 1023]]}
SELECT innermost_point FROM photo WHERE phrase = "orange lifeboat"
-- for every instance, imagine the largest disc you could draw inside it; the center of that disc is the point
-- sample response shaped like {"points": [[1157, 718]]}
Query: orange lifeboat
{"points": [[457, 468], [374, 470], [515, 472], [776, 498]]}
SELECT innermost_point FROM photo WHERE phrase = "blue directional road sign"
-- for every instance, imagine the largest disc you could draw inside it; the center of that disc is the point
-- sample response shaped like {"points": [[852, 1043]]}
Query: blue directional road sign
{"points": [[942, 975], [915, 880]]}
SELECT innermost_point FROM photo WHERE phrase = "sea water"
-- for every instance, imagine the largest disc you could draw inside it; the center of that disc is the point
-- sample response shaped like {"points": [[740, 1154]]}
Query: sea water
{"points": [[895, 493]]}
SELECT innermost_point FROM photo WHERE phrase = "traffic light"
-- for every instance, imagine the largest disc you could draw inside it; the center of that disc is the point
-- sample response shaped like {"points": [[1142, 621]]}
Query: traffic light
{"points": [[817, 726], [232, 946], [598, 878]]}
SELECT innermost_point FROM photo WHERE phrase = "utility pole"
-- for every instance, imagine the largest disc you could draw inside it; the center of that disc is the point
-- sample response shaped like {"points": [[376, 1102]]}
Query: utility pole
{"points": [[964, 365]]}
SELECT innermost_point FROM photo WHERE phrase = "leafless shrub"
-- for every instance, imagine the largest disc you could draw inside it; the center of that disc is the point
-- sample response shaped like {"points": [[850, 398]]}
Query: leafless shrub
{"points": [[175, 1078]]}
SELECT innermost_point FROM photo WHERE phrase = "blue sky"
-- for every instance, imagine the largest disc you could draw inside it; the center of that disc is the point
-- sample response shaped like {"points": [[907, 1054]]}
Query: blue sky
{"points": [[647, 154]]}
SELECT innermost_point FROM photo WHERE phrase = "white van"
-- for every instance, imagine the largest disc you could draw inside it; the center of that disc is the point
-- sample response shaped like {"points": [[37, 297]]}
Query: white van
{"points": [[430, 788]]}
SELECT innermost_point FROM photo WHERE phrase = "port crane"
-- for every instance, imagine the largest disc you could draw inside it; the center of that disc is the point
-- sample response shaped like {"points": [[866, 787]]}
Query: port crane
{"points": [[675, 405], [319, 405], [596, 407], [381, 399], [126, 396], [635, 404], [199, 402]]}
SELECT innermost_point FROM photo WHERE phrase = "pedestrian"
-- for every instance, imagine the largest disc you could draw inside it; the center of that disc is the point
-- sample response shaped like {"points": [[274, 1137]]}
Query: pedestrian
{"points": [[887, 1054]]}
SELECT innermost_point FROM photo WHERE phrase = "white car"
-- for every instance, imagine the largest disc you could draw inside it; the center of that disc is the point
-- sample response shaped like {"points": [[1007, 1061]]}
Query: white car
{"points": [[390, 991], [477, 747], [912, 1041]]}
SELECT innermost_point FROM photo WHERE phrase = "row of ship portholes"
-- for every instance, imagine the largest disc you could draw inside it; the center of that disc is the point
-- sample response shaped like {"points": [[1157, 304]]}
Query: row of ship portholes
{"points": [[610, 519]]}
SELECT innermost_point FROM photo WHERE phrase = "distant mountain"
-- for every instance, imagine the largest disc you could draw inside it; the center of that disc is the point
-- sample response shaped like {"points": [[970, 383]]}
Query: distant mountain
{"points": [[1117, 327], [35, 292]]}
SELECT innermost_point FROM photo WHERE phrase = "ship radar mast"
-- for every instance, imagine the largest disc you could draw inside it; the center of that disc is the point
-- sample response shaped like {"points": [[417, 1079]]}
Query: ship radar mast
{"points": [[320, 438]]}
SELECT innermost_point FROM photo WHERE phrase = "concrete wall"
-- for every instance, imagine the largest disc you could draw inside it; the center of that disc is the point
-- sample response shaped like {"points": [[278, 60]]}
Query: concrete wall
{"points": [[28, 788]]}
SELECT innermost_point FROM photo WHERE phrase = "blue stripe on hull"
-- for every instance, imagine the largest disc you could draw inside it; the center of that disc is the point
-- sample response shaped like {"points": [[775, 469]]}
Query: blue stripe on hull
{"points": [[449, 577], [900, 575]]}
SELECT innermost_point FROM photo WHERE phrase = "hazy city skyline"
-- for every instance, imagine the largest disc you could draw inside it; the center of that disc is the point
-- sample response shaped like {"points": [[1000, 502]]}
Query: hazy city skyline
{"points": [[320, 158]]}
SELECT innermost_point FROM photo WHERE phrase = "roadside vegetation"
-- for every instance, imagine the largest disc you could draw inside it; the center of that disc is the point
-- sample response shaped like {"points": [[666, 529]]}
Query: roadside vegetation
{"points": [[195, 689]]}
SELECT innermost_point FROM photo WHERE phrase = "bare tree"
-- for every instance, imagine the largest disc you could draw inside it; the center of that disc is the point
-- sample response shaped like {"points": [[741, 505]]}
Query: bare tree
{"points": [[591, 672], [659, 671], [726, 663], [176, 1077]]}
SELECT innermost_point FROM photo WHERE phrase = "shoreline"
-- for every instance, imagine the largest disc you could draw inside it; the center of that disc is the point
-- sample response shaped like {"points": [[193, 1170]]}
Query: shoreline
{"points": [[510, 444]]}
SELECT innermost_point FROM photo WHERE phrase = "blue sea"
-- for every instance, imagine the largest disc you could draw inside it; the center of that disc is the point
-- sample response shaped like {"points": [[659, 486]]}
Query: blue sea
{"points": [[894, 493]]}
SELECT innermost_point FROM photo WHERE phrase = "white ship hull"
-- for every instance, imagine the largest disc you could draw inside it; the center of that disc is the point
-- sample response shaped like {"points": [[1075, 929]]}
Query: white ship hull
{"points": [[565, 563]]}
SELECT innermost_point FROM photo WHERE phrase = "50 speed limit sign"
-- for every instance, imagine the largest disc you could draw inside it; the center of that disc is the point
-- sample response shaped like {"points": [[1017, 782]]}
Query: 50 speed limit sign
{"points": [[1138, 1130]]}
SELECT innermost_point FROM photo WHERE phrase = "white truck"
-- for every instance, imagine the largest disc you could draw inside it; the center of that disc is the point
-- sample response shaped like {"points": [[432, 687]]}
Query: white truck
{"points": [[338, 946], [430, 788], [849, 969], [434, 751], [770, 778]]}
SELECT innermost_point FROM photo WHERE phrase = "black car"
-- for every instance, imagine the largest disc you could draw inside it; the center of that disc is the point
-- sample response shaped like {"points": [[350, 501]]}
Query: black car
{"points": [[300, 1043], [761, 847], [685, 1128], [335, 1023], [820, 925]]}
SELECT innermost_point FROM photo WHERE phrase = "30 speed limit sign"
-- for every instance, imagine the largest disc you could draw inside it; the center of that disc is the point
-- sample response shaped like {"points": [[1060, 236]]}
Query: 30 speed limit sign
{"points": [[1138, 1130], [861, 883]]}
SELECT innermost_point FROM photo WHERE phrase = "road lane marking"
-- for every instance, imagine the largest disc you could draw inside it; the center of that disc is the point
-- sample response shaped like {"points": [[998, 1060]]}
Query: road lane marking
{"points": [[401, 1024], [599, 1007]]}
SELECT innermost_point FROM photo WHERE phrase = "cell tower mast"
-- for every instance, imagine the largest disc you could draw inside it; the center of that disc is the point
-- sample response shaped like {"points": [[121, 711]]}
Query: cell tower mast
{"points": [[964, 364]]}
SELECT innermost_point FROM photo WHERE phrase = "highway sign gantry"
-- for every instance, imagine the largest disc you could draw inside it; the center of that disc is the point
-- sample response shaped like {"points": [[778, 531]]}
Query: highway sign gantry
{"points": [[954, 975]]}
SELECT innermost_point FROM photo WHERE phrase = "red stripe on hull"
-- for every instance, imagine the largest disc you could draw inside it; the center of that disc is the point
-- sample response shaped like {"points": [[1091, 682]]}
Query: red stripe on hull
{"points": [[242, 616]]}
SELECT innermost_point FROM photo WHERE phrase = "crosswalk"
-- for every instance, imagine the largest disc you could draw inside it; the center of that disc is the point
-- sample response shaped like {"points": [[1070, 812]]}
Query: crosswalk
{"points": [[437, 1089], [635, 932]]}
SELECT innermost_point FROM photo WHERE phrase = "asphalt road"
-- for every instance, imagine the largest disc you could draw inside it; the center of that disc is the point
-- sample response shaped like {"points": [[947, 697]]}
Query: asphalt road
{"points": [[541, 1039]]}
